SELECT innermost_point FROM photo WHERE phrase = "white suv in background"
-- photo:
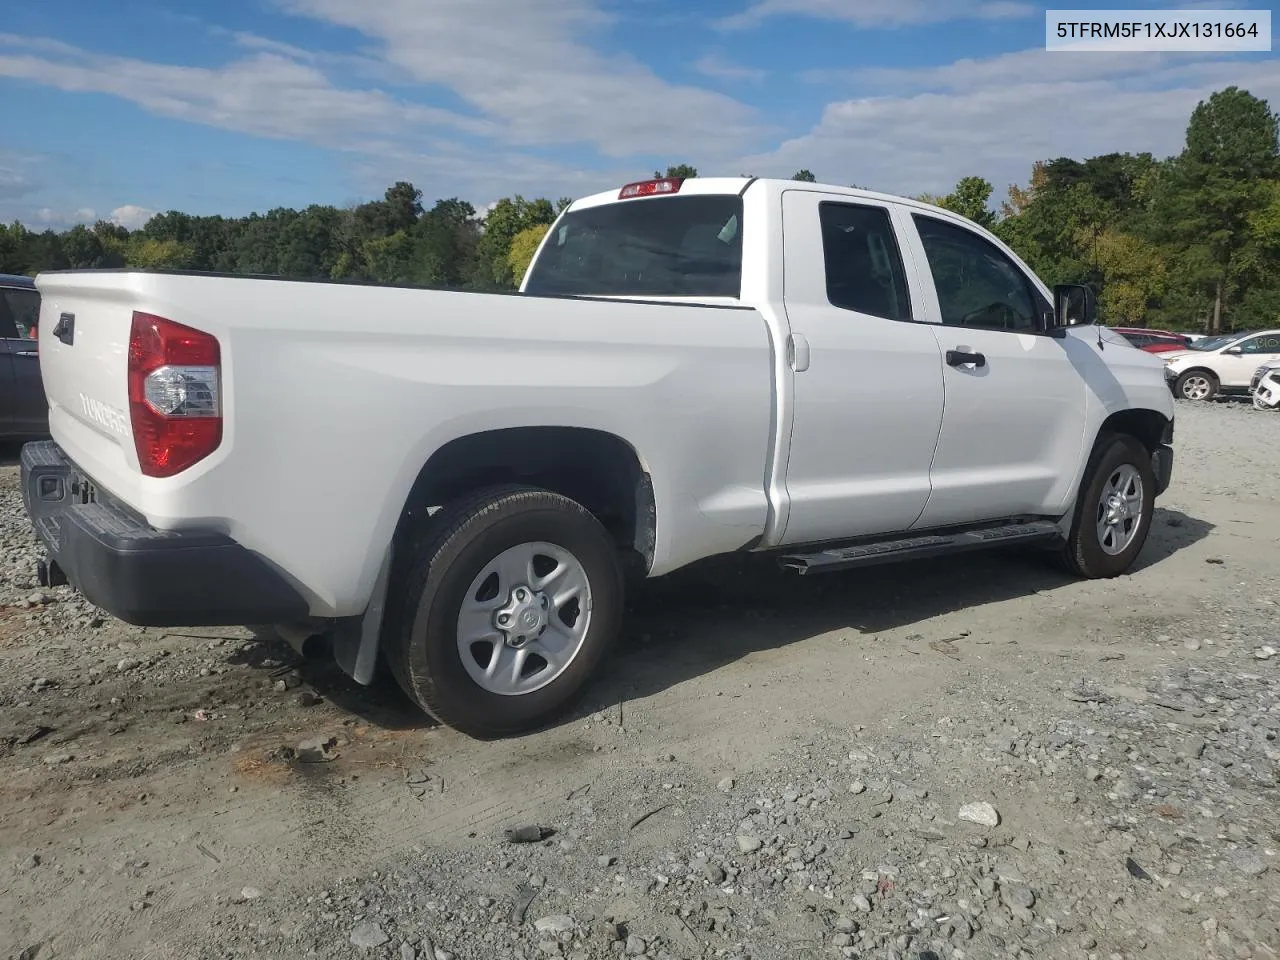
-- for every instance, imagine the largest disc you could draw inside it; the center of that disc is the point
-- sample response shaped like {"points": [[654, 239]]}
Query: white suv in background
{"points": [[1220, 365]]}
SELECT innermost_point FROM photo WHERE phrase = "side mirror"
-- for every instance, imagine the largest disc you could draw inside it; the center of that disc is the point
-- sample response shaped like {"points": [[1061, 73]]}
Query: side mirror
{"points": [[1234, 351], [1075, 305]]}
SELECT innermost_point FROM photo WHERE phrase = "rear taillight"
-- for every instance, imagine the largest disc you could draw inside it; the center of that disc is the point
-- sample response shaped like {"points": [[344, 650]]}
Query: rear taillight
{"points": [[174, 394]]}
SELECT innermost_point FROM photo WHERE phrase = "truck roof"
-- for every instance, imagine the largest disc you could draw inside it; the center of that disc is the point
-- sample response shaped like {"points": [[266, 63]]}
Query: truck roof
{"points": [[721, 185]]}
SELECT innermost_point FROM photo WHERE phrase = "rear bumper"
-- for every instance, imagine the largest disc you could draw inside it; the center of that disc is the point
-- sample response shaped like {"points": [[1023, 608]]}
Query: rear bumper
{"points": [[145, 576]]}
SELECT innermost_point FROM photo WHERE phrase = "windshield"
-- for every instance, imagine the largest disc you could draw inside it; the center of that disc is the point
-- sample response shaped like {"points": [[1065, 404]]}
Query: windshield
{"points": [[687, 246], [1216, 343]]}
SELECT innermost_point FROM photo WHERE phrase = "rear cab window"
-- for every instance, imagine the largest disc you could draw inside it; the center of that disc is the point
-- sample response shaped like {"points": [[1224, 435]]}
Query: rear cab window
{"points": [[680, 246]]}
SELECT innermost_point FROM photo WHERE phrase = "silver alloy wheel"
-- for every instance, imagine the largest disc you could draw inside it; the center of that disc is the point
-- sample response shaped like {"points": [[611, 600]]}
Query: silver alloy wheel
{"points": [[1196, 387], [524, 618], [1120, 509]]}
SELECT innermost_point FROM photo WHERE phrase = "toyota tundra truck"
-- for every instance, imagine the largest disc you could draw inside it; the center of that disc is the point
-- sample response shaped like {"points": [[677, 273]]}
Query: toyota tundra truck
{"points": [[459, 485]]}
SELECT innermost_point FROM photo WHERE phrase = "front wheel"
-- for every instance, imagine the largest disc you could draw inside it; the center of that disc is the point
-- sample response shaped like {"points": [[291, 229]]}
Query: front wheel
{"points": [[510, 603], [1113, 516], [1197, 385]]}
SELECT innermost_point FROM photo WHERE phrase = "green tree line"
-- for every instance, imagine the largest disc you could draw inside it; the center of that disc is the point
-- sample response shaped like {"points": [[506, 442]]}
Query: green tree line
{"points": [[1188, 242]]}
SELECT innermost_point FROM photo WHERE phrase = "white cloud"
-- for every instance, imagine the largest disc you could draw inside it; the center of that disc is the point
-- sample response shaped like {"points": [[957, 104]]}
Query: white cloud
{"points": [[995, 117], [881, 13], [718, 67], [52, 218], [14, 182], [131, 216], [526, 66], [526, 73], [1035, 65], [267, 94]]}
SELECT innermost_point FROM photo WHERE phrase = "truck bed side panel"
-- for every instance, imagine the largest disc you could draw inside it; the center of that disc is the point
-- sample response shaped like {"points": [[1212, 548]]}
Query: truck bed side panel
{"points": [[336, 395]]}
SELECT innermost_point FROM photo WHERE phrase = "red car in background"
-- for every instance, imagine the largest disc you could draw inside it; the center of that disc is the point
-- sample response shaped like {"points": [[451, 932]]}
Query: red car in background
{"points": [[1154, 341]]}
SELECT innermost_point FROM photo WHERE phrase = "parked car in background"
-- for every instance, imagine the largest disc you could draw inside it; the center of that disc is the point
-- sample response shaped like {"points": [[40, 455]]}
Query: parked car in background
{"points": [[1265, 386], [1220, 365], [1154, 341], [24, 413]]}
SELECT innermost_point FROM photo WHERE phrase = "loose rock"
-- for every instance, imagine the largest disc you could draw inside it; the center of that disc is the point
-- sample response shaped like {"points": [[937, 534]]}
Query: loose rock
{"points": [[368, 935], [981, 813]]}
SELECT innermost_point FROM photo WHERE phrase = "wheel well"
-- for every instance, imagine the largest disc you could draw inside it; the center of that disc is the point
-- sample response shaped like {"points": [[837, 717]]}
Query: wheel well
{"points": [[1148, 427], [599, 470]]}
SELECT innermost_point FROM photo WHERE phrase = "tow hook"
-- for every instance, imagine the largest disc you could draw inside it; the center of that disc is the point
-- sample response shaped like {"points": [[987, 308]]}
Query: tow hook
{"points": [[49, 574]]}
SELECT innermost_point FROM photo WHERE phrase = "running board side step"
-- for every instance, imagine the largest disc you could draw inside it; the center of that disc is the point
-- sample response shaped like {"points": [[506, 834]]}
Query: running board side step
{"points": [[919, 547]]}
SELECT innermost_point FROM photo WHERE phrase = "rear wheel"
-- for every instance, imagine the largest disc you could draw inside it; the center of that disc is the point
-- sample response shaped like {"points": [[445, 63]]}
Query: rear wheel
{"points": [[1197, 385], [1113, 514], [510, 602]]}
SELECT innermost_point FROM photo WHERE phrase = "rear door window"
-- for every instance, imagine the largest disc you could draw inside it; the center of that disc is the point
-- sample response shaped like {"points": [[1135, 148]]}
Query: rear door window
{"points": [[863, 265]]}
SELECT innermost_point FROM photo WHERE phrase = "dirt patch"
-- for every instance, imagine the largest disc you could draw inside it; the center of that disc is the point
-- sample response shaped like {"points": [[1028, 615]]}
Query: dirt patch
{"points": [[771, 767]]}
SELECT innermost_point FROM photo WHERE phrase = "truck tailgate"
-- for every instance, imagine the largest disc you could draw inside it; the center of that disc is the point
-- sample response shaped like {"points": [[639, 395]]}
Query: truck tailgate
{"points": [[85, 321]]}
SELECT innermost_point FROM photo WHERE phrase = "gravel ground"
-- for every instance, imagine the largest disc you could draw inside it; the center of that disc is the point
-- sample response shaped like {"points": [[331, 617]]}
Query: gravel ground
{"points": [[937, 761]]}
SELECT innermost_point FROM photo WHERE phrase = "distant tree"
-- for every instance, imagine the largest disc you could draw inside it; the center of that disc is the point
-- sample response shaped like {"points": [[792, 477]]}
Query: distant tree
{"points": [[453, 211], [44, 252], [508, 218], [1133, 276], [148, 254], [682, 170], [969, 199], [805, 176], [523, 246], [15, 249], [1214, 188], [1020, 198]]}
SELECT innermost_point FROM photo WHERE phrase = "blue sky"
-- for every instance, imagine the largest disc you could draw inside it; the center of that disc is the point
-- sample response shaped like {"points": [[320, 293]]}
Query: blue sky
{"points": [[113, 110]]}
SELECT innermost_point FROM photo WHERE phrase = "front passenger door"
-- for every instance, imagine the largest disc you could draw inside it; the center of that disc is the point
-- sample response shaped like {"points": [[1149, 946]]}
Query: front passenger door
{"points": [[1014, 403]]}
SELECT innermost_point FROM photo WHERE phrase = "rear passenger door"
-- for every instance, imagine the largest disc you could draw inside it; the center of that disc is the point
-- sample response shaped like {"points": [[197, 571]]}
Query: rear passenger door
{"points": [[867, 382]]}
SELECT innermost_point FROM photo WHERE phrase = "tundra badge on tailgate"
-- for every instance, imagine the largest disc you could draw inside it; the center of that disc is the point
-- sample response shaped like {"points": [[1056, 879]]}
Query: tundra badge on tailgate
{"points": [[104, 415]]}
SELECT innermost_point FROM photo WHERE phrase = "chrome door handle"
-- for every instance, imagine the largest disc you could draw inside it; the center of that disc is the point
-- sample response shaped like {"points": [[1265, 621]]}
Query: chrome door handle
{"points": [[26, 353]]}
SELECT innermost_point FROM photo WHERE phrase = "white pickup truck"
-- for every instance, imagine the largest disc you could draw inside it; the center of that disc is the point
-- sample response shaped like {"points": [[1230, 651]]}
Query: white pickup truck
{"points": [[458, 483]]}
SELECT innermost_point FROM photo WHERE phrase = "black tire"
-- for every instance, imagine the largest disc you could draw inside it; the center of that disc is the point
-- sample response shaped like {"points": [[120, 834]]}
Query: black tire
{"points": [[421, 641], [1180, 385], [1083, 553]]}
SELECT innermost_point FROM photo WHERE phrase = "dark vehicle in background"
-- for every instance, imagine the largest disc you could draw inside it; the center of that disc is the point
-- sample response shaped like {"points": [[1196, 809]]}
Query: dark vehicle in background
{"points": [[24, 412], [1154, 341]]}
